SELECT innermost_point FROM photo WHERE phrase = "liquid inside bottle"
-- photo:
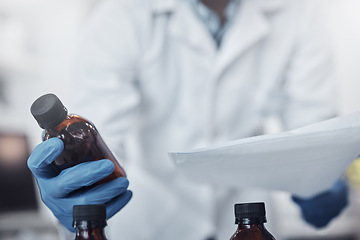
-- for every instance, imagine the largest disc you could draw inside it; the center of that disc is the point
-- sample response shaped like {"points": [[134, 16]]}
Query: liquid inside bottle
{"points": [[82, 142], [250, 218]]}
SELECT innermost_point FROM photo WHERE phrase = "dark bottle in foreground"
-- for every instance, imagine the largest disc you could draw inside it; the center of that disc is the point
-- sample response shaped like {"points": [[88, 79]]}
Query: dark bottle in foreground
{"points": [[250, 218], [89, 222], [82, 142]]}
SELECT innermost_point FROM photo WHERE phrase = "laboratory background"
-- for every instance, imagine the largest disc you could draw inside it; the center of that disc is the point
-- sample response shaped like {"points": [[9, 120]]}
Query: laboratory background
{"points": [[37, 50]]}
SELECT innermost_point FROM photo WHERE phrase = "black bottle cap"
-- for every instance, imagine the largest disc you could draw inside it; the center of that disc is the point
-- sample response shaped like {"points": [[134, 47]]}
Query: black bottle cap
{"points": [[247, 213], [93, 212], [48, 111]]}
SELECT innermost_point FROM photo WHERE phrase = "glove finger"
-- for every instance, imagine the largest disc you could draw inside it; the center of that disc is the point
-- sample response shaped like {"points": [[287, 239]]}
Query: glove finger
{"points": [[81, 175], [340, 186], [43, 155], [296, 199], [117, 203], [316, 221], [103, 193]]}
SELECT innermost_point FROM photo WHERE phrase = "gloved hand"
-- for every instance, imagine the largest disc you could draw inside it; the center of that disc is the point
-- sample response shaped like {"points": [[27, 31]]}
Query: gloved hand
{"points": [[322, 208], [57, 191]]}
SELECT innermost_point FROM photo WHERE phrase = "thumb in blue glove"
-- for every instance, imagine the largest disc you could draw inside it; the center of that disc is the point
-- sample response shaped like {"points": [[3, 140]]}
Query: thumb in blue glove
{"points": [[60, 192], [322, 208]]}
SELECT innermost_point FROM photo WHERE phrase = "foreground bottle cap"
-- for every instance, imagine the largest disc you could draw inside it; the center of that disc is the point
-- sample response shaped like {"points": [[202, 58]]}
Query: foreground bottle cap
{"points": [[48, 111], [89, 212], [252, 211]]}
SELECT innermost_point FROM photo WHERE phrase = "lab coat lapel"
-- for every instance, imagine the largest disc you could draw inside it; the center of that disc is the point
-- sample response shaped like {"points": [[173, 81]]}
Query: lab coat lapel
{"points": [[249, 27]]}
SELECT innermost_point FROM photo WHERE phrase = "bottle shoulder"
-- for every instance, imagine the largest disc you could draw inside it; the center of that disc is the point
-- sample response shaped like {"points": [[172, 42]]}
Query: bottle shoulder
{"points": [[74, 119], [73, 123], [251, 233]]}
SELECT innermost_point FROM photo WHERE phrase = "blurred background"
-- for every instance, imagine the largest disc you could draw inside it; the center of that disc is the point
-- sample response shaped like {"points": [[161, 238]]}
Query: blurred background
{"points": [[37, 43]]}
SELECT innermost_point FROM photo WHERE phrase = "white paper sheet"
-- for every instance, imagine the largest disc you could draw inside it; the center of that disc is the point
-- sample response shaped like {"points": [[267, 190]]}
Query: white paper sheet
{"points": [[305, 161]]}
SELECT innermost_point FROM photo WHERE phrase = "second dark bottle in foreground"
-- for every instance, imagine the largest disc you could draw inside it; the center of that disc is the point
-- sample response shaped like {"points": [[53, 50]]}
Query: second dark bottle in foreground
{"points": [[82, 142], [89, 222], [250, 218]]}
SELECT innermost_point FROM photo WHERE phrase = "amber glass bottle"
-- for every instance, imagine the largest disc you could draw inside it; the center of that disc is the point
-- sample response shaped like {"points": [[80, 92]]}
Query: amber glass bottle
{"points": [[89, 222], [82, 142], [250, 218]]}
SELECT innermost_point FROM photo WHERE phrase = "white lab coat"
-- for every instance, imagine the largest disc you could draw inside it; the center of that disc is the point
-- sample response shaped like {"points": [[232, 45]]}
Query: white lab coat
{"points": [[150, 74]]}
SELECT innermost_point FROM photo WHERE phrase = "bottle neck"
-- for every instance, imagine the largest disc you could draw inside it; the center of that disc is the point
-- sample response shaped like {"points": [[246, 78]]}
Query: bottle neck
{"points": [[66, 121], [252, 231], [90, 230], [251, 226], [250, 221]]}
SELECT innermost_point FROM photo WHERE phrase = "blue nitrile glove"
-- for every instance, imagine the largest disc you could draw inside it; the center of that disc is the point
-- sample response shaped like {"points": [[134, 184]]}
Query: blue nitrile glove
{"points": [[57, 192], [322, 208]]}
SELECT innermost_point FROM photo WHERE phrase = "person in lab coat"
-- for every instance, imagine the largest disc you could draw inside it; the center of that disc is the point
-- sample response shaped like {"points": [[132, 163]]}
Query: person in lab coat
{"points": [[167, 75]]}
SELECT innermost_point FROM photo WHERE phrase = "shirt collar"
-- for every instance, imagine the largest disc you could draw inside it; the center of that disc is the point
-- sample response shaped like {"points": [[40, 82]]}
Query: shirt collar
{"points": [[212, 21]]}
